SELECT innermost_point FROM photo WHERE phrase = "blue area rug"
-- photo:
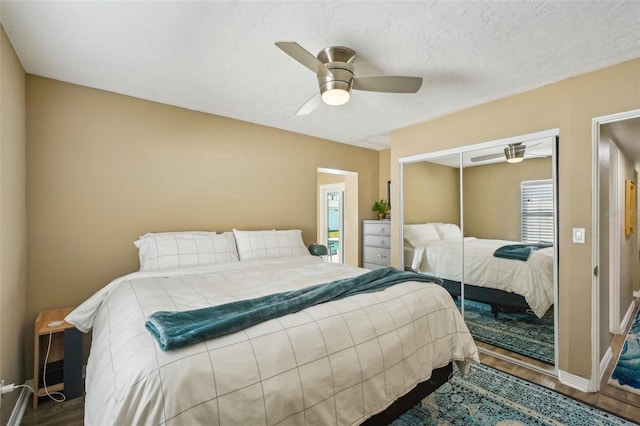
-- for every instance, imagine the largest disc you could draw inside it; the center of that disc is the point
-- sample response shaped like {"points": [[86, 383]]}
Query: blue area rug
{"points": [[522, 333], [486, 396], [626, 374]]}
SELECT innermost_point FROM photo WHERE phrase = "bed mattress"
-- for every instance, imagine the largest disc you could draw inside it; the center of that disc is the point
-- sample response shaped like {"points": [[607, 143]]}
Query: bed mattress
{"points": [[532, 279], [336, 363]]}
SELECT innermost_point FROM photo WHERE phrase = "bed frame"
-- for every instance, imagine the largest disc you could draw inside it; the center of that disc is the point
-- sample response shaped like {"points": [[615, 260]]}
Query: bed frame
{"points": [[500, 300], [439, 376]]}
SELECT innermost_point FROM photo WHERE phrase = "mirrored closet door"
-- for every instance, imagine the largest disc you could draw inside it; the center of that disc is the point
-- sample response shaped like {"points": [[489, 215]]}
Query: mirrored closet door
{"points": [[431, 197], [483, 219]]}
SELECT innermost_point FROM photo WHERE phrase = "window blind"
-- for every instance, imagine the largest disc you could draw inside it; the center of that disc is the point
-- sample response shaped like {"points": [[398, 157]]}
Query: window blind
{"points": [[536, 211]]}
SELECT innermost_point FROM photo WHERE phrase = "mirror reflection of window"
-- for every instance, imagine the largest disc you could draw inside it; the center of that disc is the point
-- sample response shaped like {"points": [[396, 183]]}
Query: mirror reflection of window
{"points": [[536, 211]]}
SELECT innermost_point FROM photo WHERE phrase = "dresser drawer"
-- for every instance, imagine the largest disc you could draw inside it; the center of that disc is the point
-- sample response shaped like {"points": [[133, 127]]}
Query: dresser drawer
{"points": [[379, 256], [382, 228], [372, 266], [377, 241]]}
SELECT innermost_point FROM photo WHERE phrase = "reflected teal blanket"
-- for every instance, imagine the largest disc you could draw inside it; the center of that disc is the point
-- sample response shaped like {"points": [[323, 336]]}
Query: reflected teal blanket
{"points": [[177, 329], [519, 251]]}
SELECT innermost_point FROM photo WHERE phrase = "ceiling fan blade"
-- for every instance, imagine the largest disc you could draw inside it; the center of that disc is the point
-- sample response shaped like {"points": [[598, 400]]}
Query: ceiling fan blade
{"points": [[486, 157], [310, 105], [383, 83], [301, 55]]}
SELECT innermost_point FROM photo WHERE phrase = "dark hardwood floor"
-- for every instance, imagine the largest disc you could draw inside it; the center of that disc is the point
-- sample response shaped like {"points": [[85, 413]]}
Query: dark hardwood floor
{"points": [[610, 398]]}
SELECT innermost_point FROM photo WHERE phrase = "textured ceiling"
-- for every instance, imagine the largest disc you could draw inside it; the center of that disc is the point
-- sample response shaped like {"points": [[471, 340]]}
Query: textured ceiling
{"points": [[220, 58]]}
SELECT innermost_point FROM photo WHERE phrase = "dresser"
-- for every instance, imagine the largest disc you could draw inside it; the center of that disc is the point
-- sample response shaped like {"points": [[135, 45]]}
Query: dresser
{"points": [[376, 243]]}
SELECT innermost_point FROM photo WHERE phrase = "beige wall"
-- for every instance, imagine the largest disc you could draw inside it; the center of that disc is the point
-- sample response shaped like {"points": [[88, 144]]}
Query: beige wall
{"points": [[14, 323], [570, 106], [628, 243], [431, 193], [492, 197], [106, 168], [329, 178], [385, 176], [353, 216]]}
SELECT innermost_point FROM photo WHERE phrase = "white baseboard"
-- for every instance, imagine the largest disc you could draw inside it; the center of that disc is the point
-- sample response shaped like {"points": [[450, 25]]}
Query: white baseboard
{"points": [[576, 382], [21, 405], [628, 317], [604, 362]]}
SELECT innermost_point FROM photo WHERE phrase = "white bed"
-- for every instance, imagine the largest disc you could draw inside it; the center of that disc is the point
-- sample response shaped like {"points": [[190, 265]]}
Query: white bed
{"points": [[532, 279], [335, 363]]}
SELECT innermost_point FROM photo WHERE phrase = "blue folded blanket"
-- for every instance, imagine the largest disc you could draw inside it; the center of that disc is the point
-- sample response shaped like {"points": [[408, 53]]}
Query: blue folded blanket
{"points": [[519, 251], [177, 329]]}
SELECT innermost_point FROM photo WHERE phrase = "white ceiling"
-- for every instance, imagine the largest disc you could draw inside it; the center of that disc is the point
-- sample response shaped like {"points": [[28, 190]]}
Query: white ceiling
{"points": [[220, 58]]}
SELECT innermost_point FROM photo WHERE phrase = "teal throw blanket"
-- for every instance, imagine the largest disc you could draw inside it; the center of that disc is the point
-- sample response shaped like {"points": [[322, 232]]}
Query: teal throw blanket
{"points": [[519, 251], [177, 329]]}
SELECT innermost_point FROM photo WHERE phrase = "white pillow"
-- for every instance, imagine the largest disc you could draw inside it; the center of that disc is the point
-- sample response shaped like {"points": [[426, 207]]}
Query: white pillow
{"points": [[270, 244], [152, 234], [448, 230], [165, 250], [416, 235]]}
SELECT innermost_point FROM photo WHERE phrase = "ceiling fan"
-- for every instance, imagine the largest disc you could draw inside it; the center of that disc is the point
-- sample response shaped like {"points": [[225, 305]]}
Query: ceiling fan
{"points": [[514, 153], [336, 77]]}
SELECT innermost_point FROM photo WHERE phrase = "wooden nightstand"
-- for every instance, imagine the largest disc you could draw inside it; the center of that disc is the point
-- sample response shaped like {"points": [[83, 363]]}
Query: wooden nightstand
{"points": [[64, 365]]}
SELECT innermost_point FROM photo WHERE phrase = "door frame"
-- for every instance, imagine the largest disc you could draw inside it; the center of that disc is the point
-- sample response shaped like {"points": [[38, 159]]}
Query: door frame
{"points": [[596, 363]]}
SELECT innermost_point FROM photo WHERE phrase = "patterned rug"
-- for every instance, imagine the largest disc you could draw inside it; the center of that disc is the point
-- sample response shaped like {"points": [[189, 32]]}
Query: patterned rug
{"points": [[522, 333], [486, 396], [626, 374]]}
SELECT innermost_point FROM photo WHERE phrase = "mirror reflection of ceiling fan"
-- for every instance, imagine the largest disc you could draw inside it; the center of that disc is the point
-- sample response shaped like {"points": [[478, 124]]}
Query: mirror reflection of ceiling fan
{"points": [[336, 76], [513, 153]]}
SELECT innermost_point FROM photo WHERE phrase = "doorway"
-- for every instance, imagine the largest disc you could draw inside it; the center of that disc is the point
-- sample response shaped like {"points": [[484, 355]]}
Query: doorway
{"points": [[331, 231], [337, 214], [616, 159]]}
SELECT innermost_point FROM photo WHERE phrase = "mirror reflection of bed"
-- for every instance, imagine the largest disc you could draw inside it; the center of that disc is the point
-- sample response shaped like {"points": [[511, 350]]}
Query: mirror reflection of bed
{"points": [[471, 217]]}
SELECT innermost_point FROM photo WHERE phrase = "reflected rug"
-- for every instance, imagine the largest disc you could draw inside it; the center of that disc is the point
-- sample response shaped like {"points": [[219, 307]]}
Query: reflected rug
{"points": [[522, 333], [486, 396], [626, 374]]}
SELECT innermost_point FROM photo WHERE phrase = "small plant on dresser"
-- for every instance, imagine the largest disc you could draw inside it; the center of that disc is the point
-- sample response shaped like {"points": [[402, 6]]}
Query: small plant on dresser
{"points": [[381, 207]]}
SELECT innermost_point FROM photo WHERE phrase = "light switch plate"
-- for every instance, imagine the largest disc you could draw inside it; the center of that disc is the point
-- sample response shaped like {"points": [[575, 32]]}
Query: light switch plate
{"points": [[578, 235]]}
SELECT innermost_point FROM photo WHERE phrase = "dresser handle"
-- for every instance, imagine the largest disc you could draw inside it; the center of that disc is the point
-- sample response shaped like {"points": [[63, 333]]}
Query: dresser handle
{"points": [[382, 255], [381, 242], [383, 231]]}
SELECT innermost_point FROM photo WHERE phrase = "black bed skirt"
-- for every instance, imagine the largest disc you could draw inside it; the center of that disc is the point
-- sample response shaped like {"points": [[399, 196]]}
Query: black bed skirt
{"points": [[439, 376], [498, 299]]}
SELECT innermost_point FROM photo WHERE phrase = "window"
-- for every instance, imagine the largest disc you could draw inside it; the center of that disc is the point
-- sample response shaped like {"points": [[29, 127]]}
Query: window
{"points": [[536, 211]]}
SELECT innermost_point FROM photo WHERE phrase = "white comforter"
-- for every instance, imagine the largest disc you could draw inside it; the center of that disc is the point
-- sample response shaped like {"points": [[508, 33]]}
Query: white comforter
{"points": [[334, 363], [532, 279]]}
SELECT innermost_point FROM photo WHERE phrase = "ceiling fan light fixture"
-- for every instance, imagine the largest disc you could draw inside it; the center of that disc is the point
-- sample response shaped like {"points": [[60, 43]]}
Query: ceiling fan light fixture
{"points": [[336, 97], [514, 153], [334, 69], [335, 92]]}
